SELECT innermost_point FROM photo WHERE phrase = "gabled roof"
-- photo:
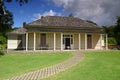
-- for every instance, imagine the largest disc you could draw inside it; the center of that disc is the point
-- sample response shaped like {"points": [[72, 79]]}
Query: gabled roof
{"points": [[19, 31], [62, 22]]}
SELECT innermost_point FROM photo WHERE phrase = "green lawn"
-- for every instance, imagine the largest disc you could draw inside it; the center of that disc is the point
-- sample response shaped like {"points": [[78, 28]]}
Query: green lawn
{"points": [[16, 64], [95, 66]]}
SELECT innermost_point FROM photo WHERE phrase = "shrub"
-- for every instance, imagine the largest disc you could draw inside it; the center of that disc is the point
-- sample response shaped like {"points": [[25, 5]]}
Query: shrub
{"points": [[112, 41], [3, 40], [2, 48]]}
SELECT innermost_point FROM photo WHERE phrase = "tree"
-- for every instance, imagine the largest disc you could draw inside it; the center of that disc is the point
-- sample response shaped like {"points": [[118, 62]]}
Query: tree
{"points": [[21, 2], [6, 17], [117, 30], [6, 20], [109, 30], [114, 31]]}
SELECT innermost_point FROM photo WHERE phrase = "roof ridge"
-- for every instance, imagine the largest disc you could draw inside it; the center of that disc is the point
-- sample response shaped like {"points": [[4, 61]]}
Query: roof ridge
{"points": [[63, 17], [62, 21]]}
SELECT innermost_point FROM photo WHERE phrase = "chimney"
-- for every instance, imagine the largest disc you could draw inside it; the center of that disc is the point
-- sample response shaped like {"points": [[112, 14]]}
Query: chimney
{"points": [[42, 17], [24, 24]]}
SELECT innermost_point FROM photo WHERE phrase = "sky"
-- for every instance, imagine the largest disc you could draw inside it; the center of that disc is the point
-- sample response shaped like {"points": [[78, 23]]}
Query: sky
{"points": [[102, 12]]}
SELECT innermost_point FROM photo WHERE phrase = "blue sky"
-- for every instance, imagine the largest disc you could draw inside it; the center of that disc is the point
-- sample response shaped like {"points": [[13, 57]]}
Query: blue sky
{"points": [[31, 11], [103, 12]]}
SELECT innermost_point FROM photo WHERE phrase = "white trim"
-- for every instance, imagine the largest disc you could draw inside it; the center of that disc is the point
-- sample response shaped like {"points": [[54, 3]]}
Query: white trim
{"points": [[34, 41], [85, 41], [26, 41], [61, 41], [79, 41], [54, 41]]}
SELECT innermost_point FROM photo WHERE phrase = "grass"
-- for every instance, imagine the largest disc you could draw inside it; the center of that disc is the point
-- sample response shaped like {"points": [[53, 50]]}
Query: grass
{"points": [[16, 64], [95, 66]]}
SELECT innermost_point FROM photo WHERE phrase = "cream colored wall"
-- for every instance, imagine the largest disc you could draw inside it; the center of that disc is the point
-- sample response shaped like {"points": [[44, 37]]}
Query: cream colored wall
{"points": [[24, 41], [82, 37], [37, 40], [30, 40], [50, 40], [96, 44], [12, 41], [58, 41], [76, 41]]}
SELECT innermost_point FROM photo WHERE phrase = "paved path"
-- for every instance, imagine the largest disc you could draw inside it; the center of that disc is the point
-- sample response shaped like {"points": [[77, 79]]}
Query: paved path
{"points": [[51, 70]]}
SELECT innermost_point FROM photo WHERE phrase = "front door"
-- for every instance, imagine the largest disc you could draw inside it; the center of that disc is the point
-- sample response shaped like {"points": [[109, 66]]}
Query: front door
{"points": [[89, 41], [43, 41], [67, 43]]}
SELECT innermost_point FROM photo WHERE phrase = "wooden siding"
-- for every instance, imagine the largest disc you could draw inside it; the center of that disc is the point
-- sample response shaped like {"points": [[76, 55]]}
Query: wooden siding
{"points": [[12, 41]]}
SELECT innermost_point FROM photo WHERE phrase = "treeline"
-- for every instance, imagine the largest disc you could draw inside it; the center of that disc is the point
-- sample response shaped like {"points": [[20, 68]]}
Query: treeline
{"points": [[113, 33]]}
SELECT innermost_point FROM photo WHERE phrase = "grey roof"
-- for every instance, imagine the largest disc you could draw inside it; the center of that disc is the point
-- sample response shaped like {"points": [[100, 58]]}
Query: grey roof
{"points": [[62, 21], [19, 31], [59, 24]]}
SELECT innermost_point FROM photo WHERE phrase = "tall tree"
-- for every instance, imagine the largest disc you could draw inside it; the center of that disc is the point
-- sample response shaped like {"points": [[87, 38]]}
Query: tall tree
{"points": [[6, 17], [109, 30], [6, 20], [117, 30], [21, 2], [2, 5]]}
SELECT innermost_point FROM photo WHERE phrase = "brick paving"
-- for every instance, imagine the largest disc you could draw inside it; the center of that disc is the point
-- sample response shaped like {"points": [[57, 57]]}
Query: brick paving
{"points": [[51, 70]]}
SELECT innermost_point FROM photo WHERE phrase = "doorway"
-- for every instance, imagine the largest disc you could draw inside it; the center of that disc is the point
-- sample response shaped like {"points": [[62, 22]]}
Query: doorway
{"points": [[43, 41], [67, 43], [89, 41]]}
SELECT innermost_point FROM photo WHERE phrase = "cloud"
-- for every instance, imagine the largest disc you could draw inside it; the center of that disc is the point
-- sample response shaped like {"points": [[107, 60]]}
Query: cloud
{"points": [[49, 13], [103, 12], [62, 2]]}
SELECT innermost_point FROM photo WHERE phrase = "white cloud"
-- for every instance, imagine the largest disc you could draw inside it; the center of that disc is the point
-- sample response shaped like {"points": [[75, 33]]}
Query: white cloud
{"points": [[49, 13], [103, 12], [62, 2]]}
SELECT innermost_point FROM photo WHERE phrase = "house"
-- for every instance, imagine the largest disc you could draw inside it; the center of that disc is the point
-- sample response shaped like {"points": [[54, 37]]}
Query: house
{"points": [[57, 33]]}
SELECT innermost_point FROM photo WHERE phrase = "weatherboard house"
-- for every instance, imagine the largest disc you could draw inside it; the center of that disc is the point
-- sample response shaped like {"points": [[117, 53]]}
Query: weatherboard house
{"points": [[57, 33]]}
